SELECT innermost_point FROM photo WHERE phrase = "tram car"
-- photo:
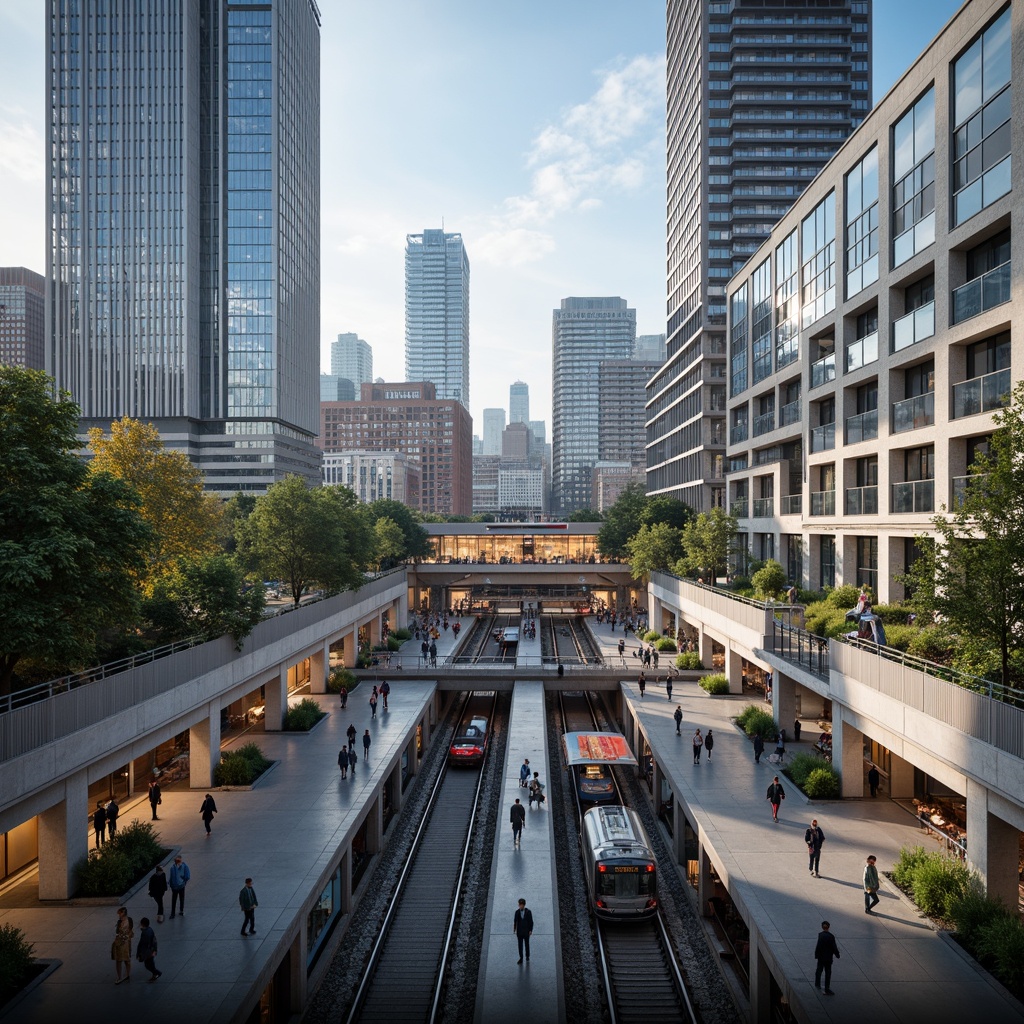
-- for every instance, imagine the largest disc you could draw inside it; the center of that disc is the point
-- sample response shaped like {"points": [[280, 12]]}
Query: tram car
{"points": [[470, 743], [622, 874], [594, 784]]}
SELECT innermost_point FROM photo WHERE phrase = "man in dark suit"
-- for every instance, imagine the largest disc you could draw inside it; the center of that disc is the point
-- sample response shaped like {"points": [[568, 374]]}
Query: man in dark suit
{"points": [[824, 950], [522, 925]]}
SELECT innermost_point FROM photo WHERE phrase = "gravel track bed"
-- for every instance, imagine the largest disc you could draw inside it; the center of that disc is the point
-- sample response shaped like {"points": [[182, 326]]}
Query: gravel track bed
{"points": [[333, 998]]}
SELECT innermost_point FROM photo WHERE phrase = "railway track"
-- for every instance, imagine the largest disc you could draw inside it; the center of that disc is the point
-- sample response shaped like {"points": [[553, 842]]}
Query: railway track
{"points": [[569, 641], [639, 967], [480, 648], [418, 928]]}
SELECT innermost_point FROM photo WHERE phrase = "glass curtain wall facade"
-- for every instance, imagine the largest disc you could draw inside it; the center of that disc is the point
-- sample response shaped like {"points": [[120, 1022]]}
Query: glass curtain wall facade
{"points": [[352, 358], [437, 313], [585, 332], [760, 96], [184, 246]]}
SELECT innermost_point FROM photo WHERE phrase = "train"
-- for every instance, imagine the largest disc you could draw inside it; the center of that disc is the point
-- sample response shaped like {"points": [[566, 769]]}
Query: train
{"points": [[594, 784], [621, 870]]}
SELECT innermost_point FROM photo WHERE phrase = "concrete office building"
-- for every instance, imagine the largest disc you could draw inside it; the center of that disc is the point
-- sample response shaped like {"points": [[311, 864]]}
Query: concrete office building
{"points": [[494, 424], [183, 263], [519, 402], [621, 419], [891, 285], [22, 318], [760, 95], [437, 313], [585, 332], [409, 418], [352, 358], [375, 476]]}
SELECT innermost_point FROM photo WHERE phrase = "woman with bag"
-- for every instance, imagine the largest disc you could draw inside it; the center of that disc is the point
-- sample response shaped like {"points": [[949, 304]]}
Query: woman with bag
{"points": [[121, 949]]}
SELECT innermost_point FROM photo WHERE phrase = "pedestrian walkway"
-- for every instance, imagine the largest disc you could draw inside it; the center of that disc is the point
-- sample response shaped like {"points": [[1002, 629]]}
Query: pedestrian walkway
{"points": [[284, 834]]}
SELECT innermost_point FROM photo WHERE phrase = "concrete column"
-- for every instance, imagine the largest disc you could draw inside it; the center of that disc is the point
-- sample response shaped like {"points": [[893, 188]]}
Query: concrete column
{"points": [[396, 786], [319, 668], [678, 830], [705, 645], [848, 754], [346, 881], [760, 982], [204, 749], [374, 626], [64, 840], [733, 669], [351, 647], [131, 778], [705, 883], [784, 702], [656, 777], [297, 970], [402, 612], [654, 616], [993, 846], [276, 691], [901, 778], [411, 758]]}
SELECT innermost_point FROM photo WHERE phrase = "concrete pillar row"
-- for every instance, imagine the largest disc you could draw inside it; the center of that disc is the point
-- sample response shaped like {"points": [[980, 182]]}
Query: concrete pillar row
{"points": [[346, 881], [375, 825], [678, 829], [654, 613], [297, 978], [760, 982], [706, 644], [374, 628], [276, 691], [993, 846], [396, 786], [64, 840], [733, 669], [204, 748], [784, 702], [848, 754]]}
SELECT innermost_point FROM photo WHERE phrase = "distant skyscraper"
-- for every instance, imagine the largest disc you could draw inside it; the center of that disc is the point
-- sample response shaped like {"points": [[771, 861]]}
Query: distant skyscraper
{"points": [[352, 358], [519, 402], [760, 95], [494, 424], [649, 348], [585, 333], [437, 313], [184, 251], [22, 318], [336, 389]]}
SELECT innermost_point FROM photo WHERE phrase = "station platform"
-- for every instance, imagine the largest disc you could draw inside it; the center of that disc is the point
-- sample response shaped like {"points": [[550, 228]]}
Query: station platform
{"points": [[894, 966], [284, 834], [509, 993]]}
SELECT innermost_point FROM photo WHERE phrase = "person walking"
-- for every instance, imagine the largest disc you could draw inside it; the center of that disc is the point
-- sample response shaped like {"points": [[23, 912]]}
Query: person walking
{"points": [[517, 815], [154, 796], [698, 742], [678, 716], [353, 760], [536, 790], [524, 773], [373, 703], [366, 745], [776, 794], [815, 839], [385, 689], [207, 811], [248, 902], [709, 743], [522, 926], [870, 885], [146, 951], [668, 685], [177, 878], [121, 948], [343, 697], [758, 748], [112, 812], [99, 823], [654, 655], [343, 761], [796, 730], [873, 780], [622, 646], [642, 683], [157, 891], [780, 746], [824, 950], [350, 732]]}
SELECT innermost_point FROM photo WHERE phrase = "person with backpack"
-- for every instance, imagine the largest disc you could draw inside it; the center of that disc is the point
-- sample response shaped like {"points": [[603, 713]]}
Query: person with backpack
{"points": [[385, 689], [536, 790]]}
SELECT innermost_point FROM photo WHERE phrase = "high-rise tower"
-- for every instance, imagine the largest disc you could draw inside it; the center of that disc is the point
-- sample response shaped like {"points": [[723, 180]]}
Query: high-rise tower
{"points": [[761, 93], [519, 402], [352, 358], [585, 332], [183, 265], [437, 313]]}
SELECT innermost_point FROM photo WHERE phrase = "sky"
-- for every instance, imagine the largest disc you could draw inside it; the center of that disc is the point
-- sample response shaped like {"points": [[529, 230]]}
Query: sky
{"points": [[535, 129]]}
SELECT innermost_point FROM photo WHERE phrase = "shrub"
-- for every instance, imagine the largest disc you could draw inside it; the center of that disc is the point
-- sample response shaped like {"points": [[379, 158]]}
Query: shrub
{"points": [[124, 858], [970, 910], [303, 716], [900, 636], [824, 619], [241, 767], [340, 677], [845, 597], [801, 766], [756, 721], [17, 958], [651, 635], [689, 660], [741, 583], [769, 581], [401, 635], [1001, 941], [393, 643], [715, 684], [937, 881], [933, 644], [139, 842], [665, 643], [910, 859], [822, 783]]}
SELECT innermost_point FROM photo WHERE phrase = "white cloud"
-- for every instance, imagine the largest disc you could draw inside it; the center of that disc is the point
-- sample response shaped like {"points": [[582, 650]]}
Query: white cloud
{"points": [[512, 247], [22, 153]]}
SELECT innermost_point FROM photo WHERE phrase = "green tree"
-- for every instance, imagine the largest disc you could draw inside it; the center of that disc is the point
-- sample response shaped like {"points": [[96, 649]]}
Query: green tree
{"points": [[185, 519], [307, 536], [707, 541], [71, 541], [585, 515], [653, 549], [769, 580], [634, 509], [416, 543], [973, 572], [388, 544]]}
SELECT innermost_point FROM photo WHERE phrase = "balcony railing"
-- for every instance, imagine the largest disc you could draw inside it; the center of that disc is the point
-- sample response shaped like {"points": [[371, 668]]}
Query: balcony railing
{"points": [[823, 370], [764, 507], [912, 413], [792, 504], [823, 438], [960, 485], [914, 496], [862, 427], [914, 327], [862, 352], [823, 503], [981, 294], [764, 423], [862, 501], [805, 649], [981, 394], [738, 434], [789, 413], [739, 508]]}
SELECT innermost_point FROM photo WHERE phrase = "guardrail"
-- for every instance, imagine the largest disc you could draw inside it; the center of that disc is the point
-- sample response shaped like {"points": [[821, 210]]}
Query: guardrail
{"points": [[808, 650]]}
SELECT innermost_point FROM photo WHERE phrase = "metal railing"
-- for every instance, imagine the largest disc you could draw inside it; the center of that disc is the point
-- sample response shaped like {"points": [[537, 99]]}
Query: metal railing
{"points": [[981, 294], [738, 433], [790, 413], [913, 496], [862, 501], [823, 370], [764, 423], [912, 413], [823, 503], [764, 507], [739, 508], [792, 504], [808, 650], [981, 394], [862, 351], [823, 438], [862, 427], [914, 327]]}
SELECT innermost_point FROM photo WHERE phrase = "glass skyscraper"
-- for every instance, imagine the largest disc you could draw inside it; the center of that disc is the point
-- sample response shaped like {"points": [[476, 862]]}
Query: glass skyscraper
{"points": [[437, 313], [352, 358], [184, 223], [519, 402], [760, 93]]}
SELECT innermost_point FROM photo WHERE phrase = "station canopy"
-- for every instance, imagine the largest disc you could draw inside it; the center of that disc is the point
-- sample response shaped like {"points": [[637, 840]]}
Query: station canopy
{"points": [[596, 748]]}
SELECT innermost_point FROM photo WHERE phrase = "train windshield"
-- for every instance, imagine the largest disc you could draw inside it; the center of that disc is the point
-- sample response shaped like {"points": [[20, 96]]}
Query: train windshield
{"points": [[625, 881]]}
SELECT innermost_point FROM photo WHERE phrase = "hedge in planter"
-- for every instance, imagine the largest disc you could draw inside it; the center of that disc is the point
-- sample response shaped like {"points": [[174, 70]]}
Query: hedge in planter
{"points": [[241, 767], [340, 677], [715, 684], [815, 776], [665, 644], [303, 716], [125, 858], [755, 721], [689, 660], [17, 961]]}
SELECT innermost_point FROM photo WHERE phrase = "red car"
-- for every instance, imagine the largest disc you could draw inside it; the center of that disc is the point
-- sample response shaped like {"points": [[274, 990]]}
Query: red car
{"points": [[470, 744]]}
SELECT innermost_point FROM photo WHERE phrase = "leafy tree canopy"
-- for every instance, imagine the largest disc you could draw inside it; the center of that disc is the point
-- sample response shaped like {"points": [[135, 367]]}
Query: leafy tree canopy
{"points": [[71, 541], [415, 541], [185, 520], [585, 515], [388, 544], [707, 541], [309, 537], [769, 580], [631, 511], [654, 548]]}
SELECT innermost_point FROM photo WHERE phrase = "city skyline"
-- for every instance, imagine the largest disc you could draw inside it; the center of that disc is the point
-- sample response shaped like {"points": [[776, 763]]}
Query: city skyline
{"points": [[562, 193]]}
